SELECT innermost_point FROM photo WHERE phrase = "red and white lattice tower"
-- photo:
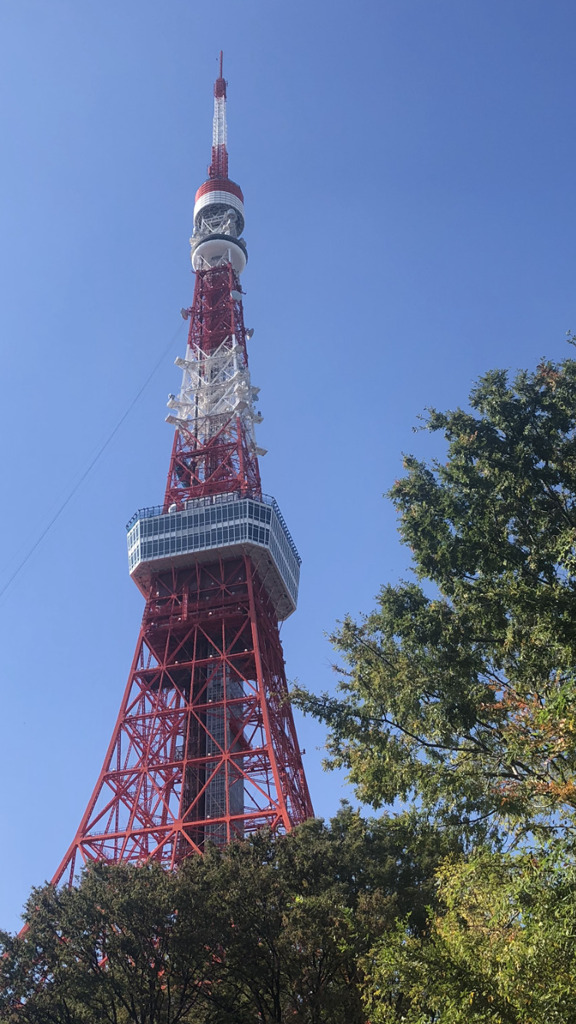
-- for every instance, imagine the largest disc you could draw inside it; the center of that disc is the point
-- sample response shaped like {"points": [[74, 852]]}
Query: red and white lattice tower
{"points": [[205, 748]]}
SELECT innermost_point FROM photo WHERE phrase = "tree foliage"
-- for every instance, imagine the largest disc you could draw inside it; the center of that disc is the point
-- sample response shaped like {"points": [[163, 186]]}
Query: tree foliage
{"points": [[502, 951], [267, 930], [459, 689]]}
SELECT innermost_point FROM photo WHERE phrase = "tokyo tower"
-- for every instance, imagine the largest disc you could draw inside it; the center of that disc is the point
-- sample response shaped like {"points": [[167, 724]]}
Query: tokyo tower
{"points": [[204, 748]]}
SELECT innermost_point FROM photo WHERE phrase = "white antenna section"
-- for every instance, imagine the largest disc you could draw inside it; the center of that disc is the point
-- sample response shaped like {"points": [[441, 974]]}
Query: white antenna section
{"points": [[219, 127], [216, 392]]}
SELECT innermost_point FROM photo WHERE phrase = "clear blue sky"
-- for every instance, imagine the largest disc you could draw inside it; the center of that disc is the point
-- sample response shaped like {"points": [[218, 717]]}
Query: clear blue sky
{"points": [[408, 168]]}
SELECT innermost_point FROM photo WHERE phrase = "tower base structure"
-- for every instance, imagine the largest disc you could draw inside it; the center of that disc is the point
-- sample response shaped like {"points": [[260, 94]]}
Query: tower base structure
{"points": [[204, 748]]}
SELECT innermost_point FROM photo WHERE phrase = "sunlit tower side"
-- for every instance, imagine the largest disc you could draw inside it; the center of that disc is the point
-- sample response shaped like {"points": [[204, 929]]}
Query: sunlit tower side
{"points": [[204, 747]]}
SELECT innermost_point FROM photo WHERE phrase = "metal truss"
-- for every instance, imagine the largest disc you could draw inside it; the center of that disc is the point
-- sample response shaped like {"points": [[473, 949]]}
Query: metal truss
{"points": [[214, 446], [204, 748]]}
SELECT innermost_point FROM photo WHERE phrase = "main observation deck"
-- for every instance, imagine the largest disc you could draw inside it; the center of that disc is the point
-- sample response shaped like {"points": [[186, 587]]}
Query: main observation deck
{"points": [[226, 524]]}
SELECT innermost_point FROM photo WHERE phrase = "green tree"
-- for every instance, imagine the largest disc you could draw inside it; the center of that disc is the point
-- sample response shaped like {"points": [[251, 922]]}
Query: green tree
{"points": [[265, 931], [502, 951], [301, 913], [125, 945], [459, 689]]}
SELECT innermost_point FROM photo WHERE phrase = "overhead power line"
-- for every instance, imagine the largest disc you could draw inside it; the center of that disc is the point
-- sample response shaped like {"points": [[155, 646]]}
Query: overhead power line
{"points": [[90, 465]]}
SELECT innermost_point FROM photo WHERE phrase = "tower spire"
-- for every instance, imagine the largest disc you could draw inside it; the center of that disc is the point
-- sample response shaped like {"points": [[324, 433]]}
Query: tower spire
{"points": [[214, 447], [219, 165]]}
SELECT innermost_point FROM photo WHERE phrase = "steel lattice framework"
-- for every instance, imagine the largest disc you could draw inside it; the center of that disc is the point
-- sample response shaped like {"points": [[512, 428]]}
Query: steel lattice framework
{"points": [[204, 748], [214, 447]]}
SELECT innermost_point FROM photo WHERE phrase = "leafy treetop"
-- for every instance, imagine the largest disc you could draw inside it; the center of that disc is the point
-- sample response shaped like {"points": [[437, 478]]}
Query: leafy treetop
{"points": [[459, 689]]}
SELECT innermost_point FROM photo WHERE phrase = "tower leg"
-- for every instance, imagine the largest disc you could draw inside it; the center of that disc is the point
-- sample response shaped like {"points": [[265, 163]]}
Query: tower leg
{"points": [[204, 749]]}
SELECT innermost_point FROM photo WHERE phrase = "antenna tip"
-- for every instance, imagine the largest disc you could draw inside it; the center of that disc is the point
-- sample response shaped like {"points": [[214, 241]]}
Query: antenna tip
{"points": [[220, 86]]}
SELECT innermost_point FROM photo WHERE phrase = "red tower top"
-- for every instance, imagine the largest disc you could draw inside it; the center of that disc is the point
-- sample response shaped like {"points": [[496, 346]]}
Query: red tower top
{"points": [[219, 166], [218, 185], [215, 449]]}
